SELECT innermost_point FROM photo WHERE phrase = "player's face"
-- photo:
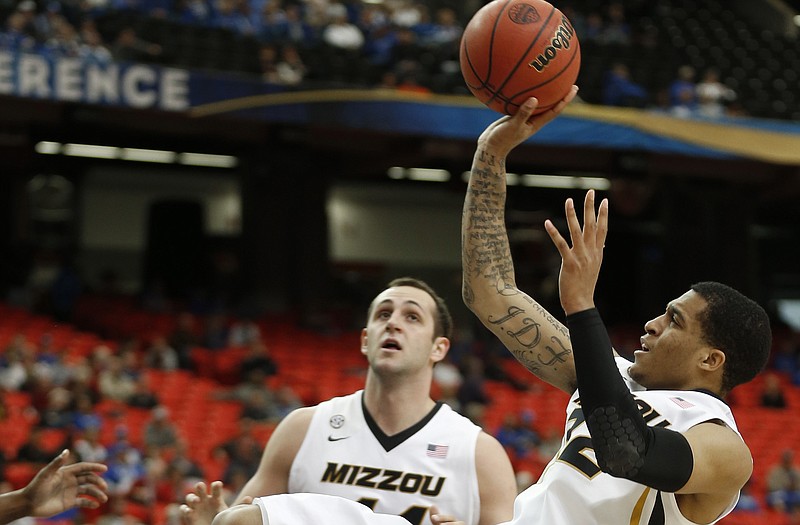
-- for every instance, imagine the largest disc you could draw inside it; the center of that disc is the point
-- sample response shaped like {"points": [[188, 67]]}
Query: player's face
{"points": [[673, 347], [400, 331]]}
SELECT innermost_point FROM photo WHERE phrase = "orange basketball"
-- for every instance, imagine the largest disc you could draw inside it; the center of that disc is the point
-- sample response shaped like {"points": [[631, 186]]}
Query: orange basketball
{"points": [[512, 50]]}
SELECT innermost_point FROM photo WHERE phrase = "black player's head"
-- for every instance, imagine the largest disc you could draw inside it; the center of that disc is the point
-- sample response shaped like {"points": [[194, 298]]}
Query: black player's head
{"points": [[739, 327], [443, 326]]}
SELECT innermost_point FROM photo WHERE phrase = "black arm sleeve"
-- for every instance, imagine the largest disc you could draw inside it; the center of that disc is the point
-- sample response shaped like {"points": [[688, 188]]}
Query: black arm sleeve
{"points": [[624, 445]]}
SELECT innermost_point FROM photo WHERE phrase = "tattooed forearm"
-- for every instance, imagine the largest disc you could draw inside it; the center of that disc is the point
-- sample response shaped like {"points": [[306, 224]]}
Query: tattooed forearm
{"points": [[524, 332], [486, 251]]}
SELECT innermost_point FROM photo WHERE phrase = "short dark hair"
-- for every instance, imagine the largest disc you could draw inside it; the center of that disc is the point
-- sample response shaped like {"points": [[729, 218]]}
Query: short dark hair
{"points": [[739, 327], [443, 321]]}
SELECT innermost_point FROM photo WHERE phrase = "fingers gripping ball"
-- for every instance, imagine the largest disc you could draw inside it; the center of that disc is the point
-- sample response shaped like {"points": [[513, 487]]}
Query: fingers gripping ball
{"points": [[512, 50]]}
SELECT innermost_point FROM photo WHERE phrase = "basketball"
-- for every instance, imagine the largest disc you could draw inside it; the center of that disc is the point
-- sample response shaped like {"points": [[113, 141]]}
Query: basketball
{"points": [[512, 50]]}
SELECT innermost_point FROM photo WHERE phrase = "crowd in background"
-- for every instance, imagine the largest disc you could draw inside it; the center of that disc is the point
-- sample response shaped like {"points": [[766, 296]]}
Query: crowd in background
{"points": [[397, 44], [72, 399]]}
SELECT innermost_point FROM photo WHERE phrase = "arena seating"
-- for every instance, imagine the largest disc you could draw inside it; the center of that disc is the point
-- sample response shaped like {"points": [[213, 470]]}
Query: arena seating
{"points": [[317, 367]]}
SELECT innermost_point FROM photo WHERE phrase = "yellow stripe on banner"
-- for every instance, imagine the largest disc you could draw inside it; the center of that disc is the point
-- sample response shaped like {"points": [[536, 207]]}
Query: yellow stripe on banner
{"points": [[636, 516], [339, 95], [768, 146]]}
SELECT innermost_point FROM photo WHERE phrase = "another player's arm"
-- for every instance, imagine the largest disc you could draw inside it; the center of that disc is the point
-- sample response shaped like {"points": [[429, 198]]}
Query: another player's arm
{"points": [[538, 340], [496, 482], [272, 476]]}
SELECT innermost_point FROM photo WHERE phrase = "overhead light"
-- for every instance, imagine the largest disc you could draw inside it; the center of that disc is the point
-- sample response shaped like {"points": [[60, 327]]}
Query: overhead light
{"points": [[136, 154], [148, 155], [418, 174], [208, 160], [48, 148], [91, 151], [428, 174], [797, 20], [396, 172], [565, 182]]}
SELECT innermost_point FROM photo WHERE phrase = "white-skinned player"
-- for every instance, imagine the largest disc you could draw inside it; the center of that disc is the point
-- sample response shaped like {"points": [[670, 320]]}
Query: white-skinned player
{"points": [[390, 446], [647, 442]]}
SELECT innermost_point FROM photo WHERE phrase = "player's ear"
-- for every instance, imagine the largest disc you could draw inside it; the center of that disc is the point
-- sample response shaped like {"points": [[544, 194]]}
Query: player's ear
{"points": [[364, 341], [441, 345], [713, 360]]}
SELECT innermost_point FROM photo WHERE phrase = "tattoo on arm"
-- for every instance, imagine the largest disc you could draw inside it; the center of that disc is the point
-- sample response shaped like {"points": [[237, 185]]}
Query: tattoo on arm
{"points": [[521, 326]]}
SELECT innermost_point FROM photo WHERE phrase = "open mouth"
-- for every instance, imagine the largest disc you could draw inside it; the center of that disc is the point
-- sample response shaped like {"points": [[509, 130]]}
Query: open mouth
{"points": [[391, 344]]}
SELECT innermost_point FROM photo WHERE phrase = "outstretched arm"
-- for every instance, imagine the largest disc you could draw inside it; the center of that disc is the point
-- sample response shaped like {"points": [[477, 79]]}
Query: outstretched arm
{"points": [[56, 488], [538, 340]]}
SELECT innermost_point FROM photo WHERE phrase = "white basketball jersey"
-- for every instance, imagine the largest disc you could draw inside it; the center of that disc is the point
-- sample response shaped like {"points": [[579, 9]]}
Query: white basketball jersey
{"points": [[431, 463], [572, 489]]}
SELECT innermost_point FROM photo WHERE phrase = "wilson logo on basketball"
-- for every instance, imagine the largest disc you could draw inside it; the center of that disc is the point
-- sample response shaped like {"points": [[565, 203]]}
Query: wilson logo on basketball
{"points": [[562, 39], [523, 14]]}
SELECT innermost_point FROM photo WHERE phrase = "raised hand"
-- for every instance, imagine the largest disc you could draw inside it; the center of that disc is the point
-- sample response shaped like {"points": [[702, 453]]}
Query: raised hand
{"points": [[507, 133], [580, 264], [201, 506]]}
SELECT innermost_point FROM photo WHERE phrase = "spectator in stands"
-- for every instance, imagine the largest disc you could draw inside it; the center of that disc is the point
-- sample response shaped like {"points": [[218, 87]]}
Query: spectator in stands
{"points": [[232, 15], [616, 30], [445, 32], [183, 463], [89, 448], [85, 415], [19, 361], [160, 432], [620, 90], [243, 452], [290, 69], [594, 28], [712, 95], [160, 355], [772, 395], [143, 395], [517, 435], [192, 12], [340, 32], [293, 28], [783, 483], [244, 330], [114, 383], [57, 413], [93, 49], [682, 93], [125, 465], [258, 357]]}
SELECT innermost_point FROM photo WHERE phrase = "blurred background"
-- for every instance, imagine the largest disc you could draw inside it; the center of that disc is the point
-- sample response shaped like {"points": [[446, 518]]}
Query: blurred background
{"points": [[193, 189]]}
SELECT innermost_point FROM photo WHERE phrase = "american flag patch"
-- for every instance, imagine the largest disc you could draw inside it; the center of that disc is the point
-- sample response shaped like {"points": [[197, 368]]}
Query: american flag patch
{"points": [[436, 451], [681, 402]]}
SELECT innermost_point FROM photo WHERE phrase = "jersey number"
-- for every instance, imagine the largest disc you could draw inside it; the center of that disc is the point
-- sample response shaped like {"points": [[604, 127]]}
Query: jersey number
{"points": [[413, 514], [575, 453]]}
